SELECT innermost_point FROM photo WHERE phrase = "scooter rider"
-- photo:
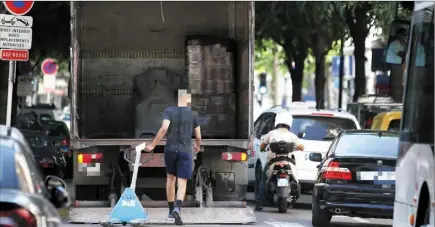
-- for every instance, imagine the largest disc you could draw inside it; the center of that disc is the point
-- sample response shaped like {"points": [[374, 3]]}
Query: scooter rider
{"points": [[283, 122]]}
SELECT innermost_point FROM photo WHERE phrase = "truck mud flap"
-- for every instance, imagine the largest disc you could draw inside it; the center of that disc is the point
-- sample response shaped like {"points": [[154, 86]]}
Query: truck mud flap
{"points": [[197, 215]]}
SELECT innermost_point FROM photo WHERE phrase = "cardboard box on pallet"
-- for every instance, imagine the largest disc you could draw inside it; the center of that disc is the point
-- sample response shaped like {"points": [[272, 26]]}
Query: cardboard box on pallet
{"points": [[211, 72]]}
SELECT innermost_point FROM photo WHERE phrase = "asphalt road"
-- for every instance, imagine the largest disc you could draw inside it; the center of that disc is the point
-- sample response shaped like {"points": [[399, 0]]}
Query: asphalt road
{"points": [[299, 216]]}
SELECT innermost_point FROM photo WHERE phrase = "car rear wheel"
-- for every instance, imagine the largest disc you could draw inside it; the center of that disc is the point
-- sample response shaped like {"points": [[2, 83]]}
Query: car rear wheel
{"points": [[320, 217]]}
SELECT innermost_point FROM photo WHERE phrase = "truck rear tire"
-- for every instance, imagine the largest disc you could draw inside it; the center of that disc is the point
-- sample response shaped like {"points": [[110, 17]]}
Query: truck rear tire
{"points": [[282, 205]]}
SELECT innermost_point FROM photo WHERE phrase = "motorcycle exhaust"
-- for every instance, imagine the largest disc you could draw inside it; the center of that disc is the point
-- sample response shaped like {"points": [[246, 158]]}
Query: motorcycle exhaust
{"points": [[337, 210]]}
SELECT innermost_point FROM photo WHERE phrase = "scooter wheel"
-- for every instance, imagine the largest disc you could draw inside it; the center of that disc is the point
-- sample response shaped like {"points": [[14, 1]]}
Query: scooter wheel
{"points": [[282, 205]]}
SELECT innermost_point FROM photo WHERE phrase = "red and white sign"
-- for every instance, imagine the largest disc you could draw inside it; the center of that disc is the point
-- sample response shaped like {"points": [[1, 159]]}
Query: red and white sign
{"points": [[14, 55], [49, 67], [18, 8]]}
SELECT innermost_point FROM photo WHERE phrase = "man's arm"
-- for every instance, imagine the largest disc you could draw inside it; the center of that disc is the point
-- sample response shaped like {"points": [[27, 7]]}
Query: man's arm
{"points": [[197, 131], [163, 129], [299, 145], [265, 142], [161, 133]]}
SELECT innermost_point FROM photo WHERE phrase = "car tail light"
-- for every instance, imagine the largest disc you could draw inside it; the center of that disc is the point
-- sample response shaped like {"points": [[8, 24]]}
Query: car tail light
{"points": [[89, 158], [234, 156], [46, 162], [64, 142], [18, 217], [323, 114], [334, 172]]}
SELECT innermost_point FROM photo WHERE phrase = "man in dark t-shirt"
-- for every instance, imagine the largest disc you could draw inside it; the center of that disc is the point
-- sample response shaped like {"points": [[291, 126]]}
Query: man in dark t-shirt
{"points": [[178, 124]]}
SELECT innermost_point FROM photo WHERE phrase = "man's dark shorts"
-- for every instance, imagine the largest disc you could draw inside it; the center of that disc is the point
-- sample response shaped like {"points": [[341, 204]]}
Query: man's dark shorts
{"points": [[179, 164]]}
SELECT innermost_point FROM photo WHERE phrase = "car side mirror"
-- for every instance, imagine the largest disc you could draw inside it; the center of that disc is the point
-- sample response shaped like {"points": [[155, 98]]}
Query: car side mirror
{"points": [[315, 157], [57, 188], [301, 135], [397, 42]]}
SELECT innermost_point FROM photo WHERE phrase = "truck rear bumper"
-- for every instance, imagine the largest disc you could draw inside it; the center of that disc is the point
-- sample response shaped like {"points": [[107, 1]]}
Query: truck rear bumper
{"points": [[198, 215]]}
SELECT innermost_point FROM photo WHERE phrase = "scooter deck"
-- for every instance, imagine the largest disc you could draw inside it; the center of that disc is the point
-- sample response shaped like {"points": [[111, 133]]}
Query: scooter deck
{"points": [[194, 215]]}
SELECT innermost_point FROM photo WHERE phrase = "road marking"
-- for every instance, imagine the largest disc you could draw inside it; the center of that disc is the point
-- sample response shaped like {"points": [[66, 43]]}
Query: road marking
{"points": [[284, 224], [356, 219]]}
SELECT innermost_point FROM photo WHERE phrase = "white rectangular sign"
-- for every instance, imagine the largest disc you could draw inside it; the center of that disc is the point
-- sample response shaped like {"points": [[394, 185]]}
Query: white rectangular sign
{"points": [[15, 38], [16, 21]]}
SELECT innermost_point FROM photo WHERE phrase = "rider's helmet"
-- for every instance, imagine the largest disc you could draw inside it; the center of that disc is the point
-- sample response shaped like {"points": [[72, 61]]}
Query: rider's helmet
{"points": [[284, 120]]}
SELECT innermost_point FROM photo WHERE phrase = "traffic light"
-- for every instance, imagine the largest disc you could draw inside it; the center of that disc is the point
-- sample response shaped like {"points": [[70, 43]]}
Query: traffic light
{"points": [[263, 83]]}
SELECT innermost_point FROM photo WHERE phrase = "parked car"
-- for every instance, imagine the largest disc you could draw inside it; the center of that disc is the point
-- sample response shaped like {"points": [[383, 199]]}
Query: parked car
{"points": [[387, 121], [58, 132], [315, 128], [47, 157], [356, 177], [26, 200]]}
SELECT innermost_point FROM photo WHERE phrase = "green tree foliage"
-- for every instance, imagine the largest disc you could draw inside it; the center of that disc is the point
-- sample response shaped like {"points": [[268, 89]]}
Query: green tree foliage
{"points": [[264, 53], [298, 26], [273, 22], [360, 17]]}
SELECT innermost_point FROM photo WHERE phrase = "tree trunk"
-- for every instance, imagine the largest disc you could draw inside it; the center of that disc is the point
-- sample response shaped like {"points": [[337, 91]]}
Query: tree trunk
{"points": [[319, 81], [297, 76], [360, 72]]}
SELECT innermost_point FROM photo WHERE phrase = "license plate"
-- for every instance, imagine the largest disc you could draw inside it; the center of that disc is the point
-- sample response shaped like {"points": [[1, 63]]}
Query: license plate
{"points": [[282, 182], [379, 177]]}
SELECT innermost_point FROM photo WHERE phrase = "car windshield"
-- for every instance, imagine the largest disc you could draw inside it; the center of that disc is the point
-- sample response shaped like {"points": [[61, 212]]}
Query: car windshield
{"points": [[320, 128], [386, 145], [36, 141], [7, 164]]}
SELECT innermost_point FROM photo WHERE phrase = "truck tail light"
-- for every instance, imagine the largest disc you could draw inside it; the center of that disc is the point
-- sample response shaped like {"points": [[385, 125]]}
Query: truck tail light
{"points": [[234, 156], [89, 158], [334, 172], [18, 217]]}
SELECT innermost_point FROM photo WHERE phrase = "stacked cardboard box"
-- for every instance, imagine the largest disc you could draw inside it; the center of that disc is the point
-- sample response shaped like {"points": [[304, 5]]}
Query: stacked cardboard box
{"points": [[210, 69]]}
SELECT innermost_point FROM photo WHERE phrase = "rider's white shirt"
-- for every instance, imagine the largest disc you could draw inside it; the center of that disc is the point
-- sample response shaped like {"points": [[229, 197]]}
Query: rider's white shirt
{"points": [[279, 135], [276, 136]]}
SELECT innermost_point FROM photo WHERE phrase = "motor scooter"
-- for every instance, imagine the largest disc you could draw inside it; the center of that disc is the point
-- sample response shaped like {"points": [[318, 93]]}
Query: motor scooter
{"points": [[283, 189]]}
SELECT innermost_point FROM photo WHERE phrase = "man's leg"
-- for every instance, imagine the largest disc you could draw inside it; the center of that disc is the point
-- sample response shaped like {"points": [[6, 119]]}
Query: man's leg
{"points": [[261, 194], [184, 173], [171, 164]]}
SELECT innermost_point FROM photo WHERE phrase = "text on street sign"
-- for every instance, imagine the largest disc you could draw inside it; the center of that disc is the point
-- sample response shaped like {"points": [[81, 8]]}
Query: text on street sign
{"points": [[15, 38], [16, 21], [14, 55]]}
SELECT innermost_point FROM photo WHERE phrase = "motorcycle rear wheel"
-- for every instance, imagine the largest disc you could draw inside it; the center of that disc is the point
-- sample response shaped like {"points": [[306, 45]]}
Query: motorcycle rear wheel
{"points": [[282, 205]]}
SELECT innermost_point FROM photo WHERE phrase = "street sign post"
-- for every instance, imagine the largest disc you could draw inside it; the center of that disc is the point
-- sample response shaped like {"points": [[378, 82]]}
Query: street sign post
{"points": [[49, 67], [16, 38], [18, 8]]}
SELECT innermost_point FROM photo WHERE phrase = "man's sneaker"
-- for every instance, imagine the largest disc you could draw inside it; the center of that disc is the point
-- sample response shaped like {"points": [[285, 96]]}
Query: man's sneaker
{"points": [[170, 217], [176, 214]]}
